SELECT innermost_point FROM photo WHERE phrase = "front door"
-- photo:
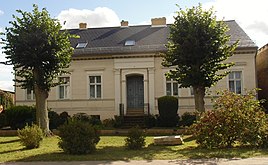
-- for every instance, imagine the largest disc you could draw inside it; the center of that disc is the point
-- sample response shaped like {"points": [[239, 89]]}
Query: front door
{"points": [[135, 93]]}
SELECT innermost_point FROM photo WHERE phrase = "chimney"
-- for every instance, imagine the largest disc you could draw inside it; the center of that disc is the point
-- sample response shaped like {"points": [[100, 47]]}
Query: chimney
{"points": [[158, 22], [124, 23], [82, 25]]}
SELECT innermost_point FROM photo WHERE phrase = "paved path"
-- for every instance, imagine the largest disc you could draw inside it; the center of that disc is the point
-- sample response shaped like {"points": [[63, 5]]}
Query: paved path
{"points": [[249, 161]]}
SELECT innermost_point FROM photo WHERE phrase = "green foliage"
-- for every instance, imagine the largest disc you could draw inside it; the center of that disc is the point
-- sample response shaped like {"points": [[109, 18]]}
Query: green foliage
{"points": [[118, 121], [91, 119], [6, 99], [56, 120], [31, 136], [168, 107], [108, 123], [53, 119], [20, 116], [3, 120], [37, 48], [198, 48], [150, 121], [236, 118], [187, 119], [135, 139], [40, 52], [78, 137]]}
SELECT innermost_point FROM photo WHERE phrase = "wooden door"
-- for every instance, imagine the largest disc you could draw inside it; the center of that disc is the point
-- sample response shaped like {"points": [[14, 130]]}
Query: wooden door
{"points": [[135, 93]]}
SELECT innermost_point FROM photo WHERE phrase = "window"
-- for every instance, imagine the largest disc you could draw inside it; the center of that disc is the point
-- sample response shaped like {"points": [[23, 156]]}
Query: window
{"points": [[81, 45], [95, 87], [171, 87], [130, 43], [235, 82], [30, 94], [64, 89]]}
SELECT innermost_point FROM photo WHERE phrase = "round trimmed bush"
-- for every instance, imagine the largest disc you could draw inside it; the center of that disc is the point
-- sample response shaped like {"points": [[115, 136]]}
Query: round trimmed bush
{"points": [[31, 136], [135, 139], [77, 137]]}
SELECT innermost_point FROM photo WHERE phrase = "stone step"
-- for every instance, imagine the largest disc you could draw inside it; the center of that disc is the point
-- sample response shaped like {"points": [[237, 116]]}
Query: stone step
{"points": [[132, 121]]}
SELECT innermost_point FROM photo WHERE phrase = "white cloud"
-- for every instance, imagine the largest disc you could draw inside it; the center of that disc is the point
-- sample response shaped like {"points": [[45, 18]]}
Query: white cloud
{"points": [[6, 77], [7, 85], [100, 17], [250, 15], [1, 12]]}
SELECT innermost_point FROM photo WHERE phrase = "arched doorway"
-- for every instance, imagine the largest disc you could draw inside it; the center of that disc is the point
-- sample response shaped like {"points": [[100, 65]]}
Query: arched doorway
{"points": [[135, 94]]}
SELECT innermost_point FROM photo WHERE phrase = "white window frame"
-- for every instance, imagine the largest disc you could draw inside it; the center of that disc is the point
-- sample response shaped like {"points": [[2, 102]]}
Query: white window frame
{"points": [[88, 86], [171, 81], [67, 88], [32, 95], [235, 79]]}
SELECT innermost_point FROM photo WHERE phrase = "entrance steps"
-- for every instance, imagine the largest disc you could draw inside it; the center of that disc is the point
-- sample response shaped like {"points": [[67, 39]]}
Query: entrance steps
{"points": [[133, 121]]}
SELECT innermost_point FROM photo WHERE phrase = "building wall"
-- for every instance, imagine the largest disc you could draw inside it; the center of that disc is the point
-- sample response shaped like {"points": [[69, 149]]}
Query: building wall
{"points": [[262, 73], [114, 72]]}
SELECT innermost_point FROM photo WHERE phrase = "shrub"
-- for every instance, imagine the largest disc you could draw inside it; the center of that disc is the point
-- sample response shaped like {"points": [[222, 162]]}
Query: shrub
{"points": [[108, 123], [168, 107], [187, 119], [118, 121], [77, 137], [135, 139], [150, 121], [91, 119], [235, 118], [2, 120], [54, 119], [64, 116], [20, 116], [31, 136]]}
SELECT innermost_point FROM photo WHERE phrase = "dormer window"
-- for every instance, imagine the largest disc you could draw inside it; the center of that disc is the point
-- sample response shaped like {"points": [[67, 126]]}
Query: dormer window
{"points": [[130, 43], [81, 45]]}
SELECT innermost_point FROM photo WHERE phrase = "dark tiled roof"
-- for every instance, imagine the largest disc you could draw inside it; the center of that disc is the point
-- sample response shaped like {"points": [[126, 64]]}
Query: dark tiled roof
{"points": [[111, 40], [237, 33]]}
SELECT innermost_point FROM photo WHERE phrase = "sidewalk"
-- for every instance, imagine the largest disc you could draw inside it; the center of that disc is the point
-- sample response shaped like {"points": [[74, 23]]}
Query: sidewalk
{"points": [[249, 161]]}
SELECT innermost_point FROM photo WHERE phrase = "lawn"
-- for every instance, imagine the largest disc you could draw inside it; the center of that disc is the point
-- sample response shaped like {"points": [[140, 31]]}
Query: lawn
{"points": [[112, 148]]}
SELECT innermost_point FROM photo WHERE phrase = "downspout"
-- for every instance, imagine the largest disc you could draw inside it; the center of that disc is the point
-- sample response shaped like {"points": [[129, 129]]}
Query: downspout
{"points": [[256, 77]]}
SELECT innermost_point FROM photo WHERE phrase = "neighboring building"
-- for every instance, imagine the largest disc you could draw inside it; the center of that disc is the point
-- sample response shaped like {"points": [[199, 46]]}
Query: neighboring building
{"points": [[7, 99], [119, 68], [262, 73]]}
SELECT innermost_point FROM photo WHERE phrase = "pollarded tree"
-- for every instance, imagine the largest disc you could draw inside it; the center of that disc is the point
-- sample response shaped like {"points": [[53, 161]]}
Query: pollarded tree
{"points": [[39, 52], [198, 47]]}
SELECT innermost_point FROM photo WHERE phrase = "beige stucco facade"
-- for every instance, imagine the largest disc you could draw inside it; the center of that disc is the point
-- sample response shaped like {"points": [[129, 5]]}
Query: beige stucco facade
{"points": [[114, 71]]}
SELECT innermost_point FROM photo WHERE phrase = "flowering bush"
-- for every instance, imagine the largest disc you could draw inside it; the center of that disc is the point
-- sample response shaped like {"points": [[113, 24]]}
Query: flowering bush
{"points": [[235, 118]]}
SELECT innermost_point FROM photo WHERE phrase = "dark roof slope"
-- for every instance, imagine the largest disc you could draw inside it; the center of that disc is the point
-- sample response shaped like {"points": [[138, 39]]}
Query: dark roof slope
{"points": [[237, 33], [111, 40]]}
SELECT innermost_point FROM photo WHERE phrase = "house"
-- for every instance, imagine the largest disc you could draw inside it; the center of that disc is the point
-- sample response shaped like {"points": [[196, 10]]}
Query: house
{"points": [[262, 73], [117, 70], [7, 99]]}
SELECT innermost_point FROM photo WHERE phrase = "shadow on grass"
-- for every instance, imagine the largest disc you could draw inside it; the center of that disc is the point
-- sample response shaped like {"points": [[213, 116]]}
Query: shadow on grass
{"points": [[180, 154], [10, 141], [10, 151]]}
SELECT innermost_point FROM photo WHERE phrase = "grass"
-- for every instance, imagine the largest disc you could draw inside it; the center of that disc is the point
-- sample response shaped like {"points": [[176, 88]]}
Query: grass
{"points": [[112, 148]]}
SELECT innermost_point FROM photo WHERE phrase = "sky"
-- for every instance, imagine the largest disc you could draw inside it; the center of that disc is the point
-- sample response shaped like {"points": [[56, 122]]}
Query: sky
{"points": [[250, 15]]}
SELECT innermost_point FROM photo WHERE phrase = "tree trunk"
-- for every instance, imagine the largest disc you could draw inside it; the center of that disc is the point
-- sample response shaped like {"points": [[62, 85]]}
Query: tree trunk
{"points": [[41, 96], [41, 110], [199, 94]]}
